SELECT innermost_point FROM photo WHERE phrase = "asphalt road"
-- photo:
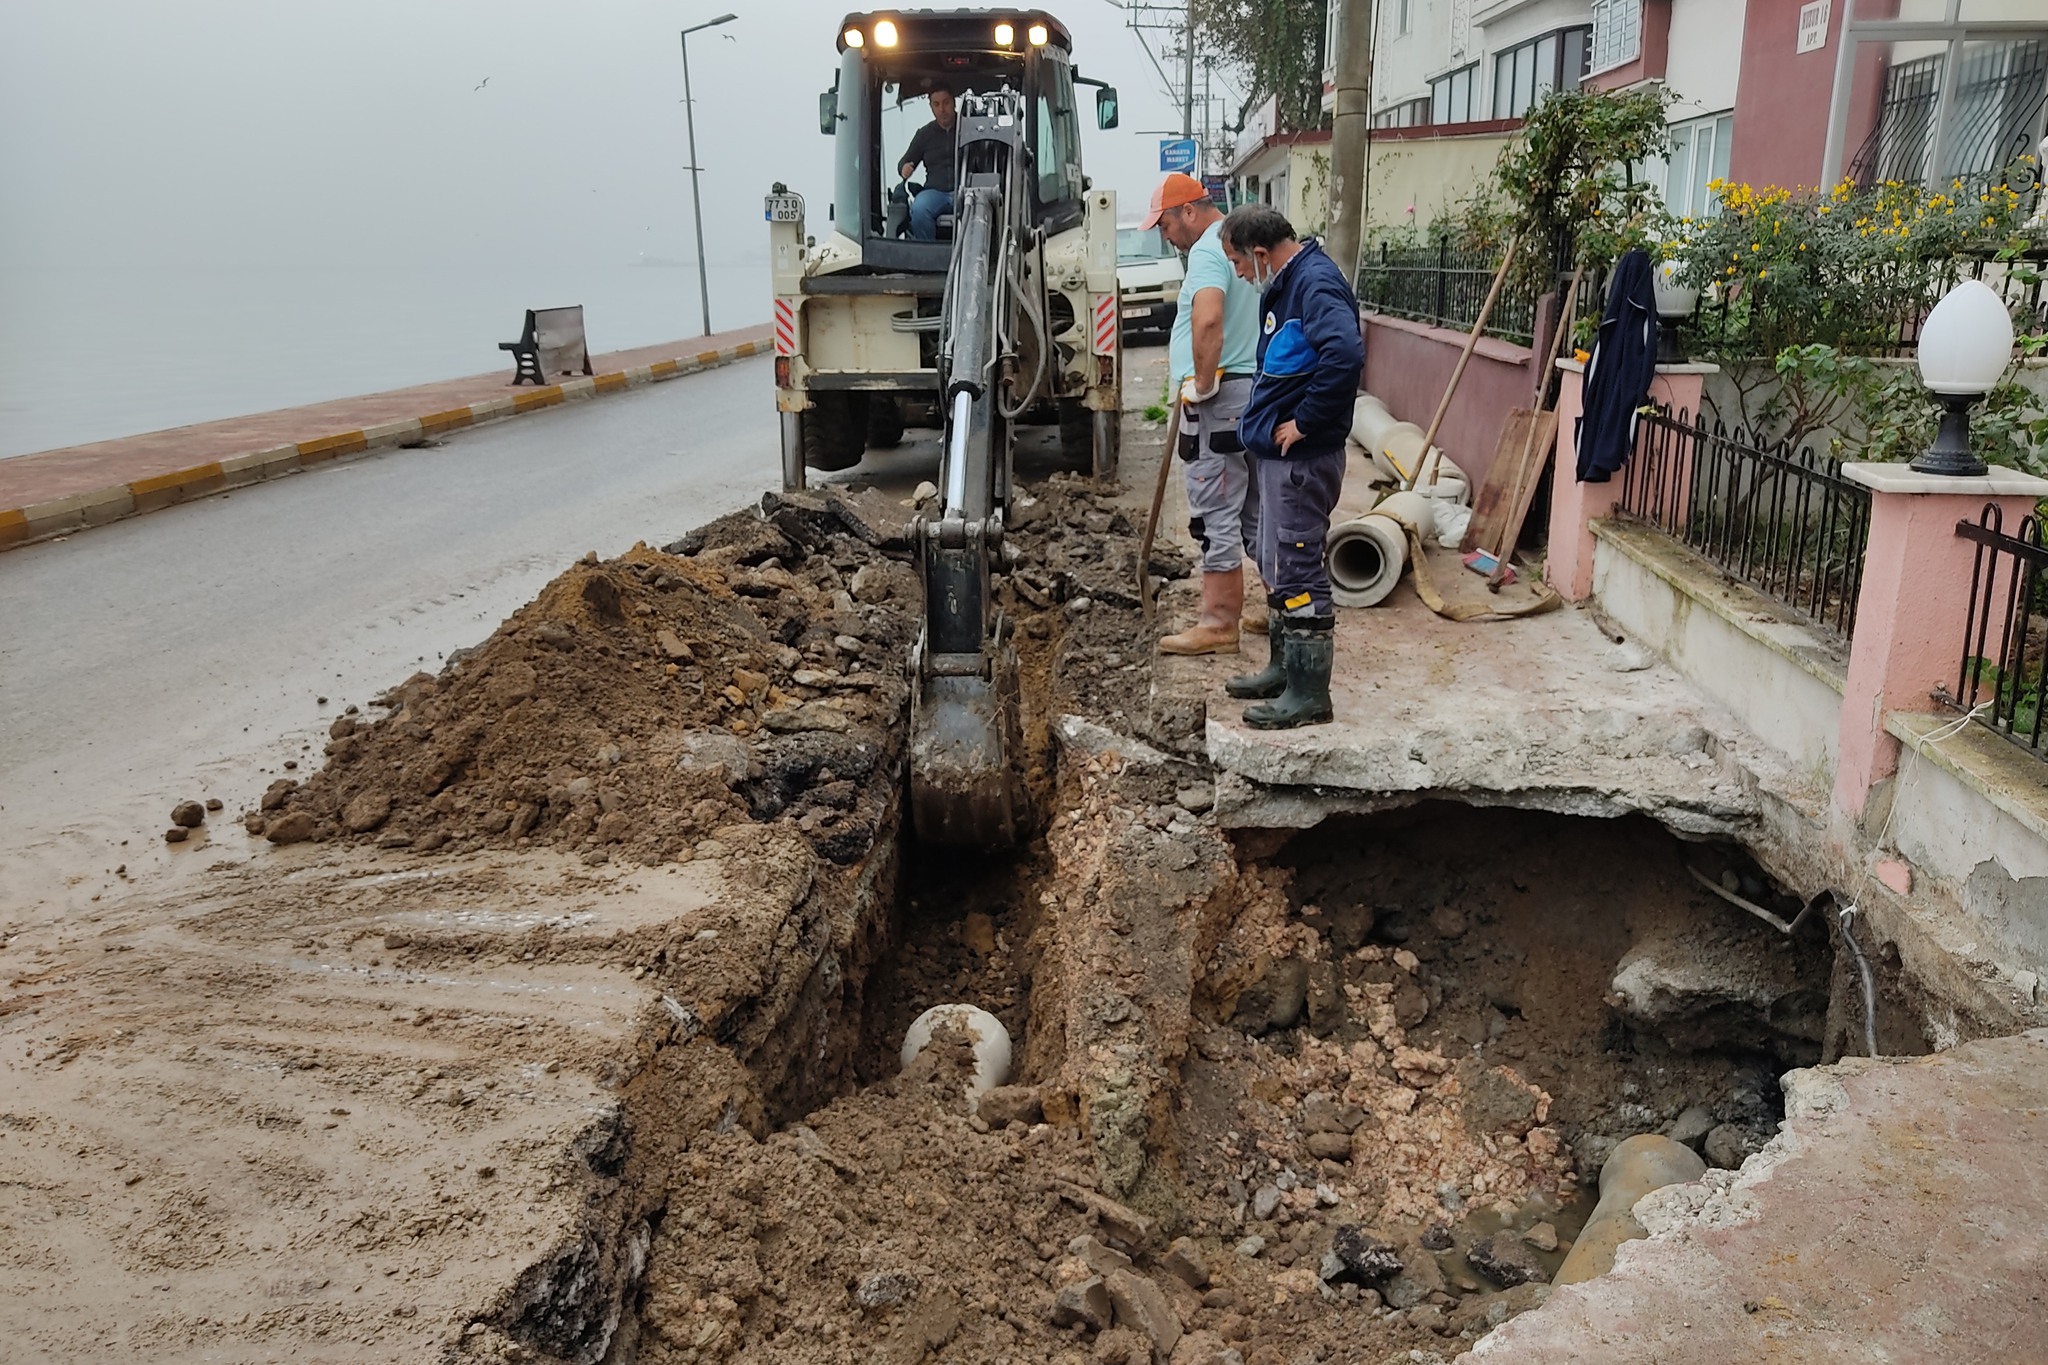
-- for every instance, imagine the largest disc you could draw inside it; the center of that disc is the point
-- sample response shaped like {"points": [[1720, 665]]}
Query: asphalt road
{"points": [[186, 653]]}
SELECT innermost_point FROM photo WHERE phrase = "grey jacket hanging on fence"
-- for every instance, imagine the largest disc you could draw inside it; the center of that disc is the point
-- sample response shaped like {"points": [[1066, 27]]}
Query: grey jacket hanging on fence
{"points": [[1619, 374]]}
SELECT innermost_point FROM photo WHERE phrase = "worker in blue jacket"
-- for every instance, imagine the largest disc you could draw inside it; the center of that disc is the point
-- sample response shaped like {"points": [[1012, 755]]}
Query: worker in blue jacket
{"points": [[1310, 355]]}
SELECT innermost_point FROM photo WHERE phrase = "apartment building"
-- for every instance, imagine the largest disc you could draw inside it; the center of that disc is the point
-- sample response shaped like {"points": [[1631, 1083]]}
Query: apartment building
{"points": [[1778, 92]]}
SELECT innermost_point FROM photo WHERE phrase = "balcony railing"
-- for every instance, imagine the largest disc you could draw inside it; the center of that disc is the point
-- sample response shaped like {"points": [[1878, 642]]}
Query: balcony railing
{"points": [[1780, 518]]}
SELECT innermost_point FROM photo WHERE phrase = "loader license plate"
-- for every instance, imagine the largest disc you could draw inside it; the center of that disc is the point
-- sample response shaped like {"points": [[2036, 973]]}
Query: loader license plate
{"points": [[785, 208], [1130, 313]]}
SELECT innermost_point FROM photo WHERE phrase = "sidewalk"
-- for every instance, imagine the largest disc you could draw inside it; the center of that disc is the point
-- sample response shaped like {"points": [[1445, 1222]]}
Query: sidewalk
{"points": [[54, 492]]}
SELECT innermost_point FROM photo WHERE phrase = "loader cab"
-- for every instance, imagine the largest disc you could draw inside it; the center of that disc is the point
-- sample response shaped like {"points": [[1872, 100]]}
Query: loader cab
{"points": [[888, 65]]}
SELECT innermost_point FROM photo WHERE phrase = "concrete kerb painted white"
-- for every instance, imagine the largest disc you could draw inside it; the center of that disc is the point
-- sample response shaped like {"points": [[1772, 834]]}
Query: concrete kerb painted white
{"points": [[1733, 644], [81, 511]]}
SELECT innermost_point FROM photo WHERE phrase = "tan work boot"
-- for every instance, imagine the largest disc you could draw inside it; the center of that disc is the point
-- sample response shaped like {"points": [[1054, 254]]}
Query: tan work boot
{"points": [[1215, 630], [1253, 621]]}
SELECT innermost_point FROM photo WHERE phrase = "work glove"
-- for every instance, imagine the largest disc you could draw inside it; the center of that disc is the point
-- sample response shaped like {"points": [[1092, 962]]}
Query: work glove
{"points": [[1191, 394]]}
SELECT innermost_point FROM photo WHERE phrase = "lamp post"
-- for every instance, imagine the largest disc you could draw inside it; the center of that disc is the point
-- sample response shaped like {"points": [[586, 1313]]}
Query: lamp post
{"points": [[1965, 345], [697, 203]]}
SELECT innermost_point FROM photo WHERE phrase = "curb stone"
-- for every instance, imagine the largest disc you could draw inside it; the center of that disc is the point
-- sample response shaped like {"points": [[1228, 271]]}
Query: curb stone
{"points": [[81, 511]]}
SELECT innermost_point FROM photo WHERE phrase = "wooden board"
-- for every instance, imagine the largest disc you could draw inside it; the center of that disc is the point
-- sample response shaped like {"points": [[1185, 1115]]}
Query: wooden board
{"points": [[1502, 504]]}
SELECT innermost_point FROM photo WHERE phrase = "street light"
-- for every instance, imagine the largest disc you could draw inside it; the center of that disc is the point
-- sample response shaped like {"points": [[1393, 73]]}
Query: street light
{"points": [[696, 202], [1965, 345]]}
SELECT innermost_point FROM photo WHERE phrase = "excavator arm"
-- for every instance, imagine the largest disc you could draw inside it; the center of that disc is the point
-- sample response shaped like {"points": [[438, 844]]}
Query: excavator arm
{"points": [[967, 787]]}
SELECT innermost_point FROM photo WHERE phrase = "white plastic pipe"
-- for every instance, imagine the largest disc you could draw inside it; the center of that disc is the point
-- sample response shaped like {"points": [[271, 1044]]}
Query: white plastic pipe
{"points": [[991, 1042]]}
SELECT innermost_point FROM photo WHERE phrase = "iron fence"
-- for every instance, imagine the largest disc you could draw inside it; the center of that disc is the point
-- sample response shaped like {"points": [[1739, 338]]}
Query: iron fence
{"points": [[1779, 517], [2005, 634], [1445, 288]]}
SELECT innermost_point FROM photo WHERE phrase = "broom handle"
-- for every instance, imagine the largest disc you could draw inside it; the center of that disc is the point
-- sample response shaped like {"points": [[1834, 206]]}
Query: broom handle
{"points": [[1465, 357]]}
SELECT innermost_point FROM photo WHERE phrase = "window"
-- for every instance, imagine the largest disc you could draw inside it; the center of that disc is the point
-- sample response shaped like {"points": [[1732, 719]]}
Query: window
{"points": [[1617, 32], [1699, 156], [1057, 151], [1402, 9], [1136, 246], [1411, 114], [1452, 98], [1526, 72]]}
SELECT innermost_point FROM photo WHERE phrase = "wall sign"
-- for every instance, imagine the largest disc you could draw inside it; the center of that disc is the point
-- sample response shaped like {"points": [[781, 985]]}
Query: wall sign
{"points": [[1813, 26]]}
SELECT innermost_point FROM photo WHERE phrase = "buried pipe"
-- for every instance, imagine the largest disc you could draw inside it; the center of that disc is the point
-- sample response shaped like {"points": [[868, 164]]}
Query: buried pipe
{"points": [[990, 1039], [1640, 1165], [1845, 913]]}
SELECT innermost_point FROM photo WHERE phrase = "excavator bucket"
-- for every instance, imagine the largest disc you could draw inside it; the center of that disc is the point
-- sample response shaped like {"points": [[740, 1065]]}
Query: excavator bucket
{"points": [[966, 756]]}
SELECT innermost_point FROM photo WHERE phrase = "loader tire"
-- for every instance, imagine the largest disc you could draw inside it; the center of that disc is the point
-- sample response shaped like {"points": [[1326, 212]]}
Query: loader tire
{"points": [[1088, 439], [1077, 435], [885, 422], [835, 430]]}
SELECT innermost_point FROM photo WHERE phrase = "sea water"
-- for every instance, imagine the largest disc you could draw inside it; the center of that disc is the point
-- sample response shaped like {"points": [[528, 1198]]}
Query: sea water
{"points": [[92, 354]]}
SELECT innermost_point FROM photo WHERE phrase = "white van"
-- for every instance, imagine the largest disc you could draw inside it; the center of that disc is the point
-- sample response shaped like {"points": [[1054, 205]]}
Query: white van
{"points": [[1148, 276]]}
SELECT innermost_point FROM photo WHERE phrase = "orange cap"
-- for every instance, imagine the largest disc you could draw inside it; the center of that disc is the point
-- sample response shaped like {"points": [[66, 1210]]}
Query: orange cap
{"points": [[1174, 191]]}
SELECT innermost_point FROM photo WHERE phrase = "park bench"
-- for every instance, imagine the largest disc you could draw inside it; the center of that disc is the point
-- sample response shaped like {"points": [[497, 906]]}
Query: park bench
{"points": [[552, 344]]}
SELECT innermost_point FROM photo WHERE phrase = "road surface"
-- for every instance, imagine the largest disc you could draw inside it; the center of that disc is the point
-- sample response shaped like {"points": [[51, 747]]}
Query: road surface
{"points": [[187, 653]]}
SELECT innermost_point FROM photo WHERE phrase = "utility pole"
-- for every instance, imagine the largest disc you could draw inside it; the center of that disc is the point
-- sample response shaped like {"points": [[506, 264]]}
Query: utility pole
{"points": [[1350, 132], [697, 203], [1187, 80]]}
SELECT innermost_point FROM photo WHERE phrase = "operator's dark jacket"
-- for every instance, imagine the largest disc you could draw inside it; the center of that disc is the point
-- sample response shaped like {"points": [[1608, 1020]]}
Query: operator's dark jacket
{"points": [[1310, 355]]}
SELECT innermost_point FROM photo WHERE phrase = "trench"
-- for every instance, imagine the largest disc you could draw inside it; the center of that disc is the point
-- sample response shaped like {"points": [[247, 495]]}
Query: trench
{"points": [[895, 1222], [1276, 1097]]}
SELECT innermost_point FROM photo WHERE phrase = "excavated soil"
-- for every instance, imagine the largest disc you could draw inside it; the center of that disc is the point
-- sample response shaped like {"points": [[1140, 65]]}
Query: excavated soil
{"points": [[752, 671]]}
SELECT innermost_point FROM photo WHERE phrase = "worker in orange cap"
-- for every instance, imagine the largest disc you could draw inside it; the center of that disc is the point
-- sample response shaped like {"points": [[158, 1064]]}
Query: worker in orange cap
{"points": [[1212, 354]]}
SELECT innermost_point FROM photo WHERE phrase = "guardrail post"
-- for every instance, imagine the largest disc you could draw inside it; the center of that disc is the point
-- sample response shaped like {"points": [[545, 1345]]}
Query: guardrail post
{"points": [[1909, 617], [1575, 506]]}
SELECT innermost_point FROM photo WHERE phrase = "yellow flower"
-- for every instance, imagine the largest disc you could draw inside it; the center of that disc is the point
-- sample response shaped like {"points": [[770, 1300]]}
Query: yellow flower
{"points": [[1762, 273]]}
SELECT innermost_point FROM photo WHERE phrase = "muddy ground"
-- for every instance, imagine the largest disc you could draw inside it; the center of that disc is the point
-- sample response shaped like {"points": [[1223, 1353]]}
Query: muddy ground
{"points": [[559, 1019]]}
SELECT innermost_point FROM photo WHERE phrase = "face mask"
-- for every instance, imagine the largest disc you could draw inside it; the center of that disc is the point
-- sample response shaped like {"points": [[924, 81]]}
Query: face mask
{"points": [[1261, 276]]}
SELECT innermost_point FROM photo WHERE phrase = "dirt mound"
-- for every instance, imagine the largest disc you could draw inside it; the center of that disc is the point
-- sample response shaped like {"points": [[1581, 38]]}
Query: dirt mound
{"points": [[753, 671]]}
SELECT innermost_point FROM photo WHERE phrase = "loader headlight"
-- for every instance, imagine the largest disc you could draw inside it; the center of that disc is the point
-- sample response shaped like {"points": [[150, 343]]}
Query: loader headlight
{"points": [[1037, 34], [853, 37], [1005, 35], [885, 33]]}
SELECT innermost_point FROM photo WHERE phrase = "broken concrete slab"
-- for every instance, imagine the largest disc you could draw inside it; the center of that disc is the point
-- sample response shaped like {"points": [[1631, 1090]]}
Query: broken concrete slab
{"points": [[1946, 1256], [1525, 713]]}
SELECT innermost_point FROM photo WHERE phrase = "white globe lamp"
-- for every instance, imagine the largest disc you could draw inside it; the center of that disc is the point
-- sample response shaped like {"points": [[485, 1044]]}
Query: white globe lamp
{"points": [[1965, 345], [1675, 303]]}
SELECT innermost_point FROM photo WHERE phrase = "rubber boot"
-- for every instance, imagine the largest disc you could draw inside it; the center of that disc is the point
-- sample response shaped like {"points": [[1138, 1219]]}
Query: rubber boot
{"points": [[1269, 681], [1310, 648], [1215, 630]]}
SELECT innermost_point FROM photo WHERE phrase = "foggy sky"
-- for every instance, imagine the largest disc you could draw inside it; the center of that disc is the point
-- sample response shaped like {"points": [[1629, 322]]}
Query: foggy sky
{"points": [[224, 134]]}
